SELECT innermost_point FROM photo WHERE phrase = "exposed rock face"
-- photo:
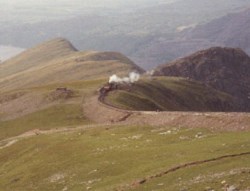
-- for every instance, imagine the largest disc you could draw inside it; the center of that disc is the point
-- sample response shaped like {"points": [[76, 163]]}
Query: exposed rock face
{"points": [[226, 69]]}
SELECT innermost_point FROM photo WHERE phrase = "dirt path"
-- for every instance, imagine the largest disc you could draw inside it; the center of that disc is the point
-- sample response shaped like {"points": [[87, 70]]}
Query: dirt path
{"points": [[139, 182], [105, 115], [214, 121], [12, 140], [101, 113]]}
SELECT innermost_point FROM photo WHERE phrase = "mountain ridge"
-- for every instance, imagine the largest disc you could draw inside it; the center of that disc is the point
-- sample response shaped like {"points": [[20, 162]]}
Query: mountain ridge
{"points": [[37, 55], [58, 61]]}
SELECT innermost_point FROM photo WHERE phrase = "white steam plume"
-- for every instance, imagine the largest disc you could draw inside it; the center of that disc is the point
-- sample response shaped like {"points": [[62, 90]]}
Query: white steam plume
{"points": [[133, 77]]}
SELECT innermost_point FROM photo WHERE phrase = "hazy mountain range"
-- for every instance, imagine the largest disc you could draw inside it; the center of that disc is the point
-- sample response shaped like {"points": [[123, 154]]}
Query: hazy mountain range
{"points": [[146, 31], [231, 30]]}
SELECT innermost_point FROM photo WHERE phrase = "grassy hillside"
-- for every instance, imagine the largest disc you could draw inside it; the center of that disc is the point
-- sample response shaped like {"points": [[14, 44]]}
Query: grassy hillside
{"points": [[57, 61], [100, 159], [44, 108], [168, 93], [58, 116]]}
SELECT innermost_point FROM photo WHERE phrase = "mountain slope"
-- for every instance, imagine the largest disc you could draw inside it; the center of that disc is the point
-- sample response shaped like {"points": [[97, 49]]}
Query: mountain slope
{"points": [[171, 94], [58, 61], [226, 69]]}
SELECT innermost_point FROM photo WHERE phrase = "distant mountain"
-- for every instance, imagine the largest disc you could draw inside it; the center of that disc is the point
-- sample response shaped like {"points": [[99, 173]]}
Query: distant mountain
{"points": [[57, 61], [226, 69], [147, 33], [232, 30]]}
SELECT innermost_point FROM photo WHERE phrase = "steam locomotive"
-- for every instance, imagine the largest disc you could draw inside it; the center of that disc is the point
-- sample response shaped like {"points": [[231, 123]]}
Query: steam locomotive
{"points": [[111, 87]]}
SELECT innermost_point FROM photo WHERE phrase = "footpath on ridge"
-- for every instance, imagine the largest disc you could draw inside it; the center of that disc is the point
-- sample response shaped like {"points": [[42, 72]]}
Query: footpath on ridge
{"points": [[100, 112]]}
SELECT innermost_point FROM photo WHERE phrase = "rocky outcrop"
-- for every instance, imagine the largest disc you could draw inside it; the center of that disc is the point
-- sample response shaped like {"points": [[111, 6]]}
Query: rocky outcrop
{"points": [[226, 69]]}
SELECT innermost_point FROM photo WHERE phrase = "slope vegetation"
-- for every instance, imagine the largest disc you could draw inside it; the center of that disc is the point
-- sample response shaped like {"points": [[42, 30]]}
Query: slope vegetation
{"points": [[45, 107], [110, 159], [171, 94], [57, 61]]}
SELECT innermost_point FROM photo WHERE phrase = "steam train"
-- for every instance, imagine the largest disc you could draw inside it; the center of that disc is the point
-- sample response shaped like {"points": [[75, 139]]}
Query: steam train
{"points": [[111, 87], [106, 89]]}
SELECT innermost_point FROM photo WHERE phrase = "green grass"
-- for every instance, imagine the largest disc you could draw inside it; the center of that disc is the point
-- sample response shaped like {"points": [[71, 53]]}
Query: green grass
{"points": [[53, 117], [65, 112], [105, 159], [131, 101], [78, 85], [168, 93], [83, 89]]}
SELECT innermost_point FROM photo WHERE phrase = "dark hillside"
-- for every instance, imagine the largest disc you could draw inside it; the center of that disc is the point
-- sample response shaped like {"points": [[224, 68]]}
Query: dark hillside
{"points": [[171, 94], [226, 69]]}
